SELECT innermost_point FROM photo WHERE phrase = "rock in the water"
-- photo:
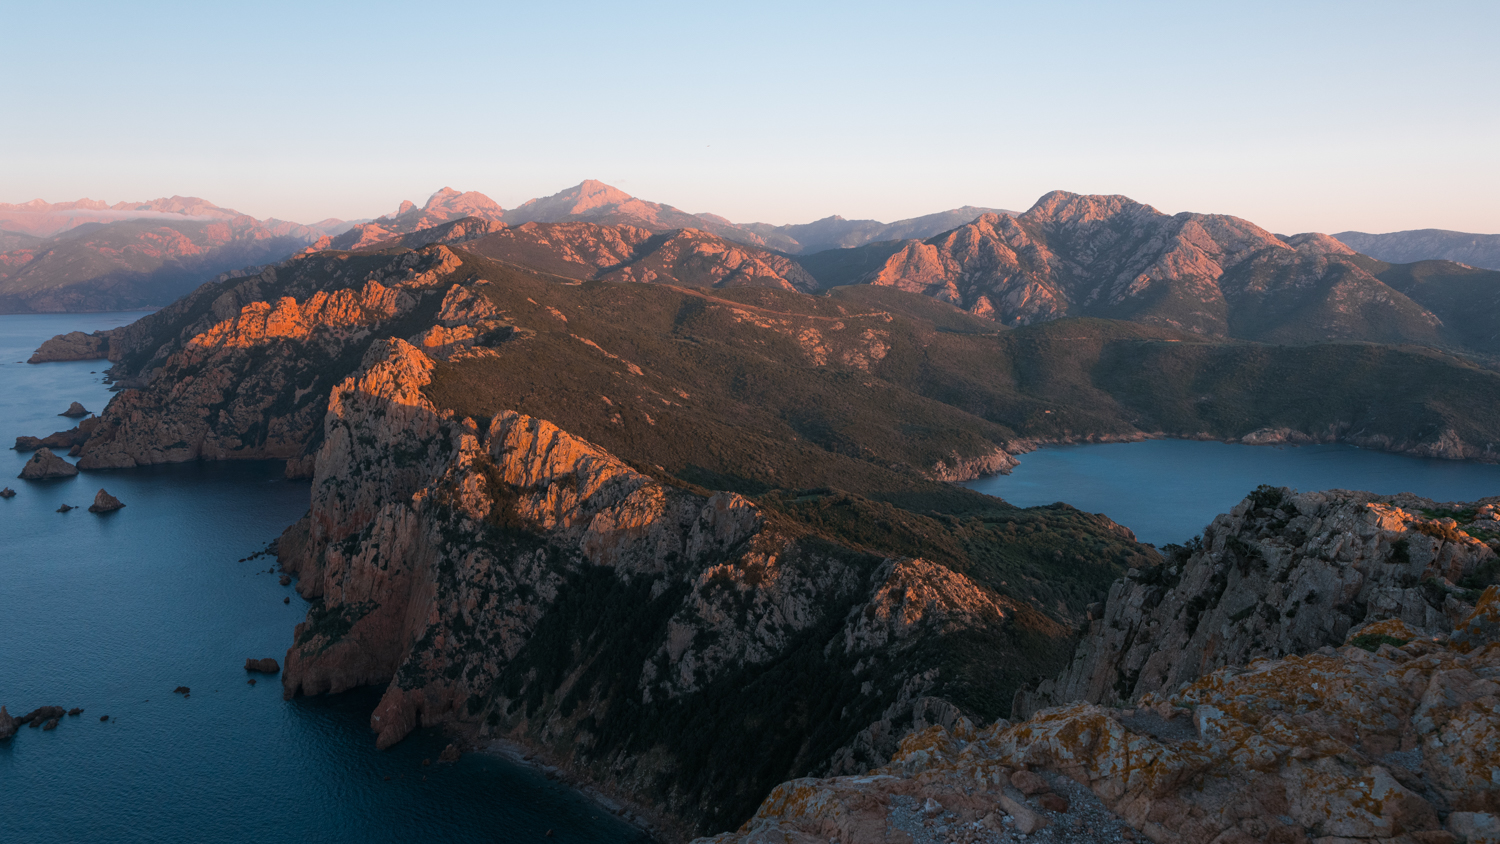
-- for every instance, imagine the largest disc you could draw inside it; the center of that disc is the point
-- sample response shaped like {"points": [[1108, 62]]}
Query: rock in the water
{"points": [[449, 754], [42, 714], [8, 724], [182, 690], [74, 411], [27, 444], [103, 718], [264, 666], [65, 508], [50, 725], [44, 464], [75, 711], [286, 580], [104, 503], [7, 493]]}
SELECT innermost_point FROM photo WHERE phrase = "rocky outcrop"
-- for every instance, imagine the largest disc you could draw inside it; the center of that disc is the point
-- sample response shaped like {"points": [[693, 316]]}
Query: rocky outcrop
{"points": [[247, 377], [447, 558], [8, 725], [59, 439], [45, 465], [1282, 573], [444, 206], [7, 492], [74, 411], [266, 665], [105, 503], [958, 468], [1393, 737], [75, 345]]}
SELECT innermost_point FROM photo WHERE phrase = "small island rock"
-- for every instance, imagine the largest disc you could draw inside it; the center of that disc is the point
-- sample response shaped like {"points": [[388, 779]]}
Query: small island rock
{"points": [[104, 503], [182, 690], [264, 666], [7, 493], [65, 508], [74, 411], [27, 444], [44, 464], [8, 724]]}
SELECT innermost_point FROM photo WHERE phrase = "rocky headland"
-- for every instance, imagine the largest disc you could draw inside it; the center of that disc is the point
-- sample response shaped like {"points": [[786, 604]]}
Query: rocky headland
{"points": [[1364, 707]]}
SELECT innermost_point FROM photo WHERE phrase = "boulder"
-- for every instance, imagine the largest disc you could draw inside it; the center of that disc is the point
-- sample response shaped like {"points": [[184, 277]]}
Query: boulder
{"points": [[104, 503], [74, 411], [44, 465], [263, 666], [182, 690], [1029, 783], [8, 724], [77, 710], [450, 754], [50, 725], [65, 508], [286, 580], [7, 493], [27, 444]]}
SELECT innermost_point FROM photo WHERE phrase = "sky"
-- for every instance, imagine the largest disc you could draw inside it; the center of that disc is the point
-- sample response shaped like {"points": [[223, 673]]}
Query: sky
{"points": [[1306, 116]]}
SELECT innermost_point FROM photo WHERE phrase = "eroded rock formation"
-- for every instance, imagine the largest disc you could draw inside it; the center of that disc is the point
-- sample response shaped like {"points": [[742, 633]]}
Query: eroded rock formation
{"points": [[1281, 573], [448, 559], [75, 345], [105, 503], [1393, 737], [45, 465]]}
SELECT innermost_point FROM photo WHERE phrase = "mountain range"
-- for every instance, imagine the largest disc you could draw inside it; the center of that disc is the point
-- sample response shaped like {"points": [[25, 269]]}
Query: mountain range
{"points": [[1476, 250], [1068, 255]]}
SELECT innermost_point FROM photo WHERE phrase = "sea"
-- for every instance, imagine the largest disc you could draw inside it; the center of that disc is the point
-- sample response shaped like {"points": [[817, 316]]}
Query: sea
{"points": [[112, 612], [1167, 491]]}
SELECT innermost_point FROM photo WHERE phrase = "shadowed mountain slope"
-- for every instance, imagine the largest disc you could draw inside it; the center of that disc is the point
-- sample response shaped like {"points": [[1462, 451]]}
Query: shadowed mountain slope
{"points": [[1409, 247]]}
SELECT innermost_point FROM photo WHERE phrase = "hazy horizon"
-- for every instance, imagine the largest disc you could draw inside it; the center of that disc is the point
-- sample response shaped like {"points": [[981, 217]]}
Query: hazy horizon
{"points": [[1367, 117]]}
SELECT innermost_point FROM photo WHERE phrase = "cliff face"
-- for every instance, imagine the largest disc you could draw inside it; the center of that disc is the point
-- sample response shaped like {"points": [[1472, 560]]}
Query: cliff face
{"points": [[1280, 574], [247, 373], [1321, 668], [514, 578], [1390, 741]]}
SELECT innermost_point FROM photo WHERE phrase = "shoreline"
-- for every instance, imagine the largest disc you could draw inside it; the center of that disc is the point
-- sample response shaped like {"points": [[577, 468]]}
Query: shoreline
{"points": [[649, 822]]}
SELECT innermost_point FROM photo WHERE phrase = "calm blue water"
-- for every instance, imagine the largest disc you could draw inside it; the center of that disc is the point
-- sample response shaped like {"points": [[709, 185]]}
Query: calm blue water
{"points": [[112, 612], [1169, 490]]}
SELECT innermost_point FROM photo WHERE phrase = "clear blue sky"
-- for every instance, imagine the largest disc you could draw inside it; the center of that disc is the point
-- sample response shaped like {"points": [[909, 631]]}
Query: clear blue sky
{"points": [[1299, 116]]}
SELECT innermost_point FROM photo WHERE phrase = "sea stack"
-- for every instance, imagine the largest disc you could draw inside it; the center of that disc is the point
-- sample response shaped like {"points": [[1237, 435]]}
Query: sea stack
{"points": [[44, 464], [104, 503], [7, 493], [74, 411], [267, 665]]}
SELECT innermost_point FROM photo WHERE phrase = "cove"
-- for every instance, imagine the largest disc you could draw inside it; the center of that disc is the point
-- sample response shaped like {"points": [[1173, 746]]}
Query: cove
{"points": [[1169, 490], [112, 612]]}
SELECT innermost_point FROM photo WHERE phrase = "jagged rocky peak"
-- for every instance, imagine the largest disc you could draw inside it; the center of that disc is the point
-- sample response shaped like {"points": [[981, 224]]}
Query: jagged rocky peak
{"points": [[1282, 573]]}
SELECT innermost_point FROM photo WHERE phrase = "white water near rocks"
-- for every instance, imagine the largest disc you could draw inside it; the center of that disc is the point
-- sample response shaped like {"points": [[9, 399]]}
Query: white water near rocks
{"points": [[112, 612], [1169, 490]]}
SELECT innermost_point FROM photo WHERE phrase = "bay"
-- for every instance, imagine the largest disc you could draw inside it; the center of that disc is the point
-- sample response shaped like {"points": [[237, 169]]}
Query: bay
{"points": [[1169, 490], [112, 612]]}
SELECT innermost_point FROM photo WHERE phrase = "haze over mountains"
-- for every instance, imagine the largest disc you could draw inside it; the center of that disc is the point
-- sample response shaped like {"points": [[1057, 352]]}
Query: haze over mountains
{"points": [[1476, 250]]}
